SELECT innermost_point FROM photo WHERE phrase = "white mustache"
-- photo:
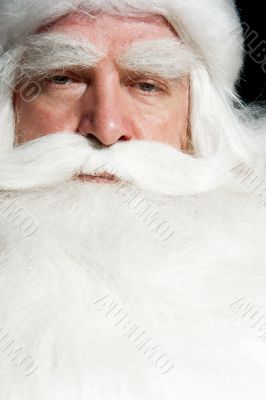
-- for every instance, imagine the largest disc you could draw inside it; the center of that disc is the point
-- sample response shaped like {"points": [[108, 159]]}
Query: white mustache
{"points": [[153, 166]]}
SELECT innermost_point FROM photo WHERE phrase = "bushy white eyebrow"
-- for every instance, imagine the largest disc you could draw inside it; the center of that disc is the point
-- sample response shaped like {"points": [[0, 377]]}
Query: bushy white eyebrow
{"points": [[167, 58], [42, 53], [51, 51]]}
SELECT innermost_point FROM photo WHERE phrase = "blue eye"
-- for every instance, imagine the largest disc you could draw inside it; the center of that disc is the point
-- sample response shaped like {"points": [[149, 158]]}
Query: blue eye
{"points": [[60, 80]]}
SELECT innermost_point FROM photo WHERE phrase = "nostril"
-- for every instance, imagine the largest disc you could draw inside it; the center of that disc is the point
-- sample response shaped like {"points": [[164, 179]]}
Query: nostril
{"points": [[92, 139], [124, 138]]}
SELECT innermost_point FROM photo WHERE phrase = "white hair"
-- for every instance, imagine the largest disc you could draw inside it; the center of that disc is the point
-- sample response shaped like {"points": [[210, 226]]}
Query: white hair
{"points": [[210, 47]]}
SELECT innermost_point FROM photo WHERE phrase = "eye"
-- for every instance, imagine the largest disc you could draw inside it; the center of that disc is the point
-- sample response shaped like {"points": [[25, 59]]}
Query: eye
{"points": [[60, 80], [148, 87]]}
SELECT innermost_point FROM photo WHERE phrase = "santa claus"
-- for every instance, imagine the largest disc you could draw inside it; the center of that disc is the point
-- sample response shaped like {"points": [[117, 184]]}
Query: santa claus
{"points": [[132, 204]]}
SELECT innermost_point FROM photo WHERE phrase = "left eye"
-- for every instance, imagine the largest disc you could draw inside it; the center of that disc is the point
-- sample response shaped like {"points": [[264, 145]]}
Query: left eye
{"points": [[61, 80], [147, 87]]}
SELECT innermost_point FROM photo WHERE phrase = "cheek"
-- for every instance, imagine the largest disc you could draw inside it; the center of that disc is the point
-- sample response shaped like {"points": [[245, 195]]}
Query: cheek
{"points": [[175, 121], [170, 124], [39, 118], [166, 119], [178, 122]]}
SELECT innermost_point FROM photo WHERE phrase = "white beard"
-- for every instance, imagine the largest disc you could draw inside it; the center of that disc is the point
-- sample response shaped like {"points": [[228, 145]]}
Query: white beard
{"points": [[94, 268], [91, 249]]}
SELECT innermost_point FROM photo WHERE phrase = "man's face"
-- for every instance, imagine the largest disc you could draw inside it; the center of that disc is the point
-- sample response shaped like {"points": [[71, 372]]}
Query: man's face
{"points": [[107, 101]]}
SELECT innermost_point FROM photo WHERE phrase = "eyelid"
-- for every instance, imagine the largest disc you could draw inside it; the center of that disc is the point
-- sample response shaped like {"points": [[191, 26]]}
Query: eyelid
{"points": [[159, 87], [74, 76], [153, 79]]}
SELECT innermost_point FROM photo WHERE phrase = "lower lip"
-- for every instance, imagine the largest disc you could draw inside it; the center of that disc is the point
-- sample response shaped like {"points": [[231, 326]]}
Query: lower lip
{"points": [[97, 179]]}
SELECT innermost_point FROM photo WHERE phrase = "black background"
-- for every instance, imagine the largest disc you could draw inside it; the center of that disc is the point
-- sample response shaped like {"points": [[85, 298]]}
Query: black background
{"points": [[252, 86]]}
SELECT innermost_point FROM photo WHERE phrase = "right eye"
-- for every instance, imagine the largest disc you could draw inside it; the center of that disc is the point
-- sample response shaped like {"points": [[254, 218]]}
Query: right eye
{"points": [[60, 80]]}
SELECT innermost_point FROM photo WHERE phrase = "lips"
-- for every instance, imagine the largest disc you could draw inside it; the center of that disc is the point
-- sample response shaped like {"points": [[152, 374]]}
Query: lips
{"points": [[101, 178]]}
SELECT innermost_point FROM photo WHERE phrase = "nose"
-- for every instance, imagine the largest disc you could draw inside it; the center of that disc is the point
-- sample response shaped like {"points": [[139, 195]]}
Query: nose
{"points": [[106, 116]]}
